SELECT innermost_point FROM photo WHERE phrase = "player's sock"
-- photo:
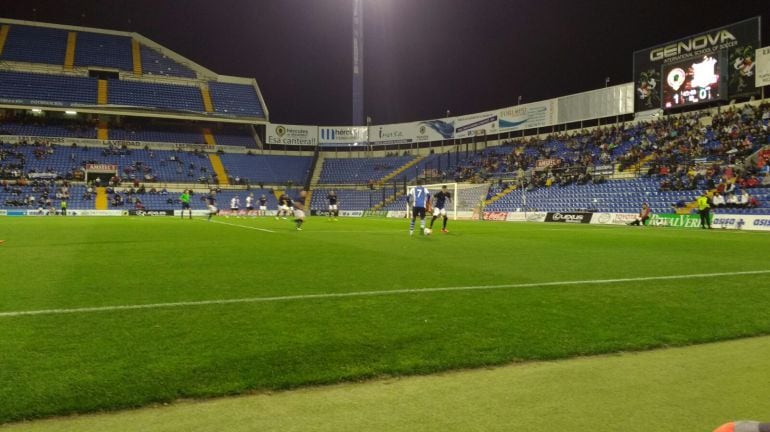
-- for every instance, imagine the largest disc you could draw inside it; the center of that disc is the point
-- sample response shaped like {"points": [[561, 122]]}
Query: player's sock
{"points": [[445, 219], [422, 224], [433, 219], [411, 226]]}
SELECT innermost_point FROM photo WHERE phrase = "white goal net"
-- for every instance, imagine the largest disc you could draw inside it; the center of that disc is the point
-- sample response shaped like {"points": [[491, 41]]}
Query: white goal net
{"points": [[465, 198]]}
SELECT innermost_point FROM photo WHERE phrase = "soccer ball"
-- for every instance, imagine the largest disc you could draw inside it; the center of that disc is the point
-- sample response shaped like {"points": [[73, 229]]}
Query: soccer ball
{"points": [[428, 231]]}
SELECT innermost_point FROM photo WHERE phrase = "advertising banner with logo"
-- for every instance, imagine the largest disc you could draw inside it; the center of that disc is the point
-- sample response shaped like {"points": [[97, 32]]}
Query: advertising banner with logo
{"points": [[393, 134], [613, 218], [732, 46], [484, 123], [102, 167], [332, 135], [436, 130], [675, 220], [569, 217], [151, 212], [299, 135], [763, 67], [741, 222], [542, 164], [604, 170], [528, 116], [495, 216]]}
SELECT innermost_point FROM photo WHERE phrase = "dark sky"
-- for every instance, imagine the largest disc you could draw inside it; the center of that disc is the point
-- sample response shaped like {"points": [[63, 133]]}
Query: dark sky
{"points": [[422, 56]]}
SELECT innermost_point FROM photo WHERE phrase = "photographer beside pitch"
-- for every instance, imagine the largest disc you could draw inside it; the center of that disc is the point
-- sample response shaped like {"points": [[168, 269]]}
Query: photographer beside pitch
{"points": [[644, 215], [744, 426]]}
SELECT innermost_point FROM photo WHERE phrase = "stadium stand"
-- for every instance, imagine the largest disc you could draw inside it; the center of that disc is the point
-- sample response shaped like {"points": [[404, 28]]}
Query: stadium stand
{"points": [[143, 131], [359, 171], [235, 135], [267, 169], [42, 89], [155, 63], [103, 50], [235, 99], [348, 199], [152, 95], [35, 45]]}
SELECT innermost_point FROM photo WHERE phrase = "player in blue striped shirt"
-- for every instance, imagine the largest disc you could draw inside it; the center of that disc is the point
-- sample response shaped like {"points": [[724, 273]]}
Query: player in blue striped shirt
{"points": [[418, 198]]}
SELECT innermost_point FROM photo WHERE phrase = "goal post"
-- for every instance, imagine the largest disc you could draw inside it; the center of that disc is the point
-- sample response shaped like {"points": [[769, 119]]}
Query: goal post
{"points": [[464, 200]]}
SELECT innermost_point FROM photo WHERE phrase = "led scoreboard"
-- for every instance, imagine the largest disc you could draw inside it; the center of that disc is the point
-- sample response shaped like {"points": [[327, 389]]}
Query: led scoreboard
{"points": [[693, 82], [708, 67]]}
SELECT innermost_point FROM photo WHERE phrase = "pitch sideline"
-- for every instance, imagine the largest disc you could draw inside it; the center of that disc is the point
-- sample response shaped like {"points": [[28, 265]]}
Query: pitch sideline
{"points": [[354, 294]]}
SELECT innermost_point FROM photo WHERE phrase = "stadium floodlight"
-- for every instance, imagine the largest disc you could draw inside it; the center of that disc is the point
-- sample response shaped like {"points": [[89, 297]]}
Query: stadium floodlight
{"points": [[71, 112], [36, 111]]}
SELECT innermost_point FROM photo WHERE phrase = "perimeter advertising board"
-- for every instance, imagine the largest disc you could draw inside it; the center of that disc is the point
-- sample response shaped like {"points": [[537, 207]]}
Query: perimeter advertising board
{"points": [[528, 116], [300, 135], [393, 134], [484, 123], [763, 67], [350, 135]]}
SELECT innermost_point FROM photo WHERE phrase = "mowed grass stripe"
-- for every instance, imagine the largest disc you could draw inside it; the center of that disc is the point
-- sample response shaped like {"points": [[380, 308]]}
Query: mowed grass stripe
{"points": [[682, 389], [376, 293]]}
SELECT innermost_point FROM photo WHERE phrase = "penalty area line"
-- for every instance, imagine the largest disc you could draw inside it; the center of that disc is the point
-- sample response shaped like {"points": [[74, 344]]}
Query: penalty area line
{"points": [[11, 314], [240, 226]]}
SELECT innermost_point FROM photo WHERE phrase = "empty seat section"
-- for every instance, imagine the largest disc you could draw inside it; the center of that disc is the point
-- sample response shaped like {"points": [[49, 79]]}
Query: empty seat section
{"points": [[235, 135], [44, 89], [96, 49], [35, 45], [184, 134], [155, 63], [152, 95], [236, 99], [359, 171], [347, 199], [267, 168]]}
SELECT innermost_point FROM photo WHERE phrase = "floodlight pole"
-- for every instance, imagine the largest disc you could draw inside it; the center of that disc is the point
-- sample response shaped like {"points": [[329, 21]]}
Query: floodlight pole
{"points": [[358, 63]]}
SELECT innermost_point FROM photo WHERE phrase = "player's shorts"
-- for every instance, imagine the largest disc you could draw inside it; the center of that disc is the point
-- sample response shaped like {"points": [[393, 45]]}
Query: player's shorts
{"points": [[234, 209], [263, 208], [418, 212], [185, 206], [332, 207], [299, 214], [439, 212], [249, 208], [213, 209], [283, 208]]}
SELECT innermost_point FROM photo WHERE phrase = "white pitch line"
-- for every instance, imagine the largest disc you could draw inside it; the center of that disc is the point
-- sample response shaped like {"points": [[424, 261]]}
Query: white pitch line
{"points": [[371, 293], [242, 226]]}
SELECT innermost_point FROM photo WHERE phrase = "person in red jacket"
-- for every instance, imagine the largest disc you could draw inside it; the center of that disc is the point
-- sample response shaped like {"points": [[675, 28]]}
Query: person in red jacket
{"points": [[644, 214], [744, 426]]}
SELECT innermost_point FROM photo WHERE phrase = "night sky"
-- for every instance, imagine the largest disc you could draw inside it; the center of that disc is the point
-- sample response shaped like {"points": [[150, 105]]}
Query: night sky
{"points": [[422, 56]]}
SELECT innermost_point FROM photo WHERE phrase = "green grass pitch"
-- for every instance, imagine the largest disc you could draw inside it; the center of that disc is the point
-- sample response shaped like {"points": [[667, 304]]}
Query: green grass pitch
{"points": [[512, 299]]}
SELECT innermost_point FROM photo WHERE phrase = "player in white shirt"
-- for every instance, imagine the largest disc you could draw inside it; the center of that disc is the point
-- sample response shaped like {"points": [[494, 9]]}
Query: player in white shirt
{"points": [[235, 205], [249, 204]]}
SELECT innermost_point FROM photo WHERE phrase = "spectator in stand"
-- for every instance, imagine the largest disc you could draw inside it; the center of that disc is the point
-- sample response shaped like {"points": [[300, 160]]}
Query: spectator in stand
{"points": [[718, 201], [732, 201]]}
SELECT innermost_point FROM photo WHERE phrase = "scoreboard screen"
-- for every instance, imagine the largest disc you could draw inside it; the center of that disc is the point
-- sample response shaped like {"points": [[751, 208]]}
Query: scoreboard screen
{"points": [[696, 81]]}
